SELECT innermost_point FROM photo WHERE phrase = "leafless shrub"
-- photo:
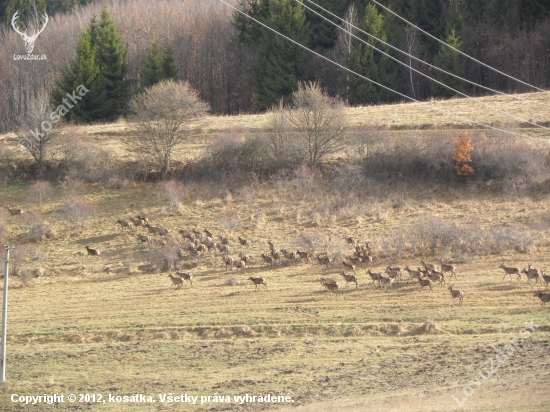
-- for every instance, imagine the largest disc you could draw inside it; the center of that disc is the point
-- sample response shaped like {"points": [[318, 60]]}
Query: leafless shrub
{"points": [[3, 223], [40, 230], [348, 176], [39, 192], [20, 257], [79, 210], [171, 193], [162, 114], [27, 277], [167, 255], [71, 186], [229, 218]]}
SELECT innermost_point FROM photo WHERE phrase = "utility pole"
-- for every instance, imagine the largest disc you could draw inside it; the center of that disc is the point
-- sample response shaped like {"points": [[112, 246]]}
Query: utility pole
{"points": [[5, 315]]}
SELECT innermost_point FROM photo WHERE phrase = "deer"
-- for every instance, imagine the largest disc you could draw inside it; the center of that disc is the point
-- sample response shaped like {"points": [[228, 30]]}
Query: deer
{"points": [[386, 282], [271, 246], [239, 264], [289, 256], [448, 268], [197, 233], [374, 276], [545, 278], [510, 271], [366, 258], [456, 294], [531, 273], [92, 252], [436, 276], [176, 281], [143, 219], [394, 275], [349, 278], [356, 260], [223, 248], [350, 241], [413, 274], [224, 240], [15, 211], [544, 297], [124, 223], [186, 234], [328, 244], [244, 242], [349, 266], [244, 258], [228, 262], [427, 266], [276, 256], [145, 239], [333, 288], [185, 276], [29, 40], [425, 282], [324, 282], [208, 233], [303, 255], [267, 259], [137, 222], [325, 261], [258, 281]]}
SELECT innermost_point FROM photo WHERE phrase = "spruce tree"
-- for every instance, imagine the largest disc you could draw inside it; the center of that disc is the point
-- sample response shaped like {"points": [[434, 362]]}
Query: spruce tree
{"points": [[112, 57], [370, 63], [281, 64], [448, 60], [82, 70], [151, 72], [169, 69]]}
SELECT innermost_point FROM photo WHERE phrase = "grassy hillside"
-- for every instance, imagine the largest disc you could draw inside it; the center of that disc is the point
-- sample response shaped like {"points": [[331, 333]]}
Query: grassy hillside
{"points": [[114, 325]]}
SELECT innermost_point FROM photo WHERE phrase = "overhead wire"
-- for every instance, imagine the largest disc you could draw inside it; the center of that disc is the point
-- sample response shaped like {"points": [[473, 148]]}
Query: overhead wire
{"points": [[416, 58], [423, 74], [376, 83], [457, 50]]}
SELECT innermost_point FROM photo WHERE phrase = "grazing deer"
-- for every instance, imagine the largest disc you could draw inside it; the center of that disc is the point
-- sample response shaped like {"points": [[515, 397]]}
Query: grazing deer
{"points": [[258, 281], [456, 294], [349, 266], [510, 271], [92, 252], [176, 281], [244, 243], [185, 276], [448, 268], [544, 297], [349, 278], [374, 276]]}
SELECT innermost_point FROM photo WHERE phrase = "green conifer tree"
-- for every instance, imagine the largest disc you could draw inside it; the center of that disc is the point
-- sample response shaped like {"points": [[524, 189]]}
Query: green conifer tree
{"points": [[151, 71], [169, 69], [448, 60]]}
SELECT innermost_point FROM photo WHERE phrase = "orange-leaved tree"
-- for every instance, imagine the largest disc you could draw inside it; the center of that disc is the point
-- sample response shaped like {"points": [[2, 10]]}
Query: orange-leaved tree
{"points": [[462, 158]]}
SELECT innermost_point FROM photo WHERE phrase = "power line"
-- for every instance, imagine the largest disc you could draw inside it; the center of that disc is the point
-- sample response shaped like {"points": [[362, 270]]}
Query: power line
{"points": [[416, 58], [423, 74], [376, 83], [464, 54]]}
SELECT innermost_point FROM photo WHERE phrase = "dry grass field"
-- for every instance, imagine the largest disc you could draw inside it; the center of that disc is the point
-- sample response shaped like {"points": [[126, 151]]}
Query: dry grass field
{"points": [[114, 325]]}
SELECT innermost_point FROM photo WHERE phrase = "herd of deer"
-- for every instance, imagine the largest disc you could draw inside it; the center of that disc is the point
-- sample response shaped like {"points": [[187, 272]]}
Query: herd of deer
{"points": [[362, 255]]}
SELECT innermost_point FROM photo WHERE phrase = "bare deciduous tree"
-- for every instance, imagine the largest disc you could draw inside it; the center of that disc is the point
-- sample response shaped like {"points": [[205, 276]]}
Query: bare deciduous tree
{"points": [[319, 121], [37, 132], [162, 114]]}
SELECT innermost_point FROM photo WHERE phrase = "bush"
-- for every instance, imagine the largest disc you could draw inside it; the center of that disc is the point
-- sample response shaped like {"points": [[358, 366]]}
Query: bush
{"points": [[39, 192], [80, 211]]}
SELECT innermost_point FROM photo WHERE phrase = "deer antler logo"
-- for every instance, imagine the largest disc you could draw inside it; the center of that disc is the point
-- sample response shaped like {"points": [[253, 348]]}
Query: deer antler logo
{"points": [[29, 40]]}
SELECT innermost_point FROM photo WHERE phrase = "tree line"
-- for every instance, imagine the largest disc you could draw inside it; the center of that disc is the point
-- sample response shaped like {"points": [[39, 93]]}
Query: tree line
{"points": [[238, 66]]}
